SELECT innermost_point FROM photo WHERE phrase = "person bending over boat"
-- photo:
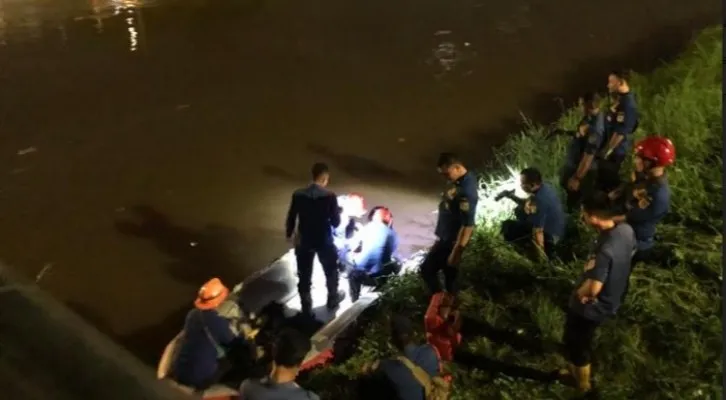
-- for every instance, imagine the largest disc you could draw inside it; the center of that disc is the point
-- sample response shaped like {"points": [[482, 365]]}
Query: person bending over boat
{"points": [[207, 336], [288, 353], [374, 261]]}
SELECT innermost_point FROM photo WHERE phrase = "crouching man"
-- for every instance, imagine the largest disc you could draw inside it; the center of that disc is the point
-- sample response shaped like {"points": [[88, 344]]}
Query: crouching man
{"points": [[373, 262], [600, 290]]}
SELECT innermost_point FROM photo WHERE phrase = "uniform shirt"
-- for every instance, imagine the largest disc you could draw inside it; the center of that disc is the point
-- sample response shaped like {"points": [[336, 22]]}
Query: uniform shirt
{"points": [[264, 389], [457, 207], [648, 203], [589, 143], [622, 120], [196, 362], [544, 211], [378, 244], [613, 254], [317, 210], [403, 382]]}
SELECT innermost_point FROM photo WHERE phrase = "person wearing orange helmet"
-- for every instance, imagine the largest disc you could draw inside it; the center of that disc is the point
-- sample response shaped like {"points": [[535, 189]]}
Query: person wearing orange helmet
{"points": [[374, 258], [648, 199], [206, 336]]}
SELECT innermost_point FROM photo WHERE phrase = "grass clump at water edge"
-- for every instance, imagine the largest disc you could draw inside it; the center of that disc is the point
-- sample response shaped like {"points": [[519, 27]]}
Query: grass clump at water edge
{"points": [[666, 342]]}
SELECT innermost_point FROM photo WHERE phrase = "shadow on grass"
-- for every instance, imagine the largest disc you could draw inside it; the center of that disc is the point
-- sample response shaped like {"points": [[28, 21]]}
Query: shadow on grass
{"points": [[475, 361], [471, 328]]}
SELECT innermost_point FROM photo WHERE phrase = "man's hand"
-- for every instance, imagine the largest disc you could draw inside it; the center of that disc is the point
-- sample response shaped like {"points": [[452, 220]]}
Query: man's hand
{"points": [[590, 264], [503, 194], [574, 184], [583, 294], [582, 129], [539, 251], [454, 257]]}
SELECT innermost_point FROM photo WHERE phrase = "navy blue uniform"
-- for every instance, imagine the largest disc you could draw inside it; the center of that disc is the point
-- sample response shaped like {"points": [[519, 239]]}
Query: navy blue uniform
{"points": [[457, 209], [375, 261], [647, 204], [579, 146], [611, 265], [317, 210], [543, 210], [623, 120]]}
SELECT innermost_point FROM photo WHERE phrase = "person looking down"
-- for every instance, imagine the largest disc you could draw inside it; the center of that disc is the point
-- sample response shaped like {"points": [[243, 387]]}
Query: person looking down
{"points": [[288, 352], [200, 362]]}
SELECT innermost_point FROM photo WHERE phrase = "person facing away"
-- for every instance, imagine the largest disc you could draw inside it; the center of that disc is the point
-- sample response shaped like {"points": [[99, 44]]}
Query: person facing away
{"points": [[289, 350], [582, 148], [200, 362], [315, 213], [621, 123], [394, 374], [454, 226], [539, 217], [378, 244], [601, 288]]}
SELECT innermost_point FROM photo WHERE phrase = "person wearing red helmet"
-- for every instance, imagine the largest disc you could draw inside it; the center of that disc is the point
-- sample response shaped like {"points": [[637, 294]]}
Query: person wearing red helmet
{"points": [[648, 199], [374, 258]]}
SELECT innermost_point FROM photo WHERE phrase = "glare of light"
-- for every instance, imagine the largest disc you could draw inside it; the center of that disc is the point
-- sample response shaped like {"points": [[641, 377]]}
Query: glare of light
{"points": [[491, 212], [133, 34]]}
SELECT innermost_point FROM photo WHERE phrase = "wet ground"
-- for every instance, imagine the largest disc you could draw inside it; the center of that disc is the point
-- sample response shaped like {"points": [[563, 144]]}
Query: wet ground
{"points": [[147, 147]]}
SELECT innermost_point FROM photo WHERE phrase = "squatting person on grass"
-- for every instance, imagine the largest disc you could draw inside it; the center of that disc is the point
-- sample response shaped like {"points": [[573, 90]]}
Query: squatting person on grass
{"points": [[601, 288]]}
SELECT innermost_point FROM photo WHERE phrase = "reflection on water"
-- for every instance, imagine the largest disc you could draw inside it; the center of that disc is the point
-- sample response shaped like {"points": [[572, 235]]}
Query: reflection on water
{"points": [[31, 20]]}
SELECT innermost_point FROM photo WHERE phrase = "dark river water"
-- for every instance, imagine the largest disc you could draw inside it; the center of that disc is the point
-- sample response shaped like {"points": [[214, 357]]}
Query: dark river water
{"points": [[147, 146]]}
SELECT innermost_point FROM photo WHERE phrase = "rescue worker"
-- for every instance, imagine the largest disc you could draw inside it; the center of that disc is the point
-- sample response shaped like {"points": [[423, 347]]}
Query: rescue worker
{"points": [[318, 213], [201, 360], [455, 224], [648, 200], [288, 352], [583, 148], [374, 261], [346, 234], [539, 217], [621, 123], [600, 289]]}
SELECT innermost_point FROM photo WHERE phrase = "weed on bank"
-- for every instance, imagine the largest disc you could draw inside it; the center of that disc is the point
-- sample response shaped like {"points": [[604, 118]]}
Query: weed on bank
{"points": [[666, 342]]}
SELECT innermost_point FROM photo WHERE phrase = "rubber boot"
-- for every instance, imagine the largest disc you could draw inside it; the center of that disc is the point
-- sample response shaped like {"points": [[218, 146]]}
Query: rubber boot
{"points": [[306, 304], [582, 378], [335, 299]]}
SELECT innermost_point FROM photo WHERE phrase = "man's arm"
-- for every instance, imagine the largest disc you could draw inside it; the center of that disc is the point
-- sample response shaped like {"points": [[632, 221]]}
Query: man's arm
{"points": [[594, 139], [334, 212], [591, 287], [538, 219], [628, 125], [649, 212], [467, 207], [292, 213]]}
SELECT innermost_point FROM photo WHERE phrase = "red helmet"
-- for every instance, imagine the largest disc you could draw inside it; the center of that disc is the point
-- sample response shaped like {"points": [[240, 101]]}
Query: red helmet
{"points": [[658, 149], [384, 212]]}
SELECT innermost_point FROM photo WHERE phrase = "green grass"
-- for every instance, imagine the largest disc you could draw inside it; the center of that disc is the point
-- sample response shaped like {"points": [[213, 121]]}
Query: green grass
{"points": [[666, 341]]}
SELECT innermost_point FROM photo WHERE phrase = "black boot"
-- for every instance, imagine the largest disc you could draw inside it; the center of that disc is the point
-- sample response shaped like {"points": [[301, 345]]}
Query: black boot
{"points": [[335, 299], [306, 304]]}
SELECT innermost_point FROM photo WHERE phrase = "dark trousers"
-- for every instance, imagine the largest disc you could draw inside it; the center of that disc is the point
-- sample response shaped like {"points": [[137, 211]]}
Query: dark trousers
{"points": [[358, 278], [572, 202], [579, 332], [520, 233], [437, 260], [328, 257], [608, 173]]}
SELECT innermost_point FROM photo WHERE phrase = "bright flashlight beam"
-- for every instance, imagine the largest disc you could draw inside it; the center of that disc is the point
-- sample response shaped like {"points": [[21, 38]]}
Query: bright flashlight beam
{"points": [[491, 212]]}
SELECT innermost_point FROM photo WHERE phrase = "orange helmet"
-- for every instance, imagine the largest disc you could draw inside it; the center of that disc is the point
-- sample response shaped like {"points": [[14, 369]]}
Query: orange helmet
{"points": [[352, 204], [384, 212], [211, 295], [658, 149]]}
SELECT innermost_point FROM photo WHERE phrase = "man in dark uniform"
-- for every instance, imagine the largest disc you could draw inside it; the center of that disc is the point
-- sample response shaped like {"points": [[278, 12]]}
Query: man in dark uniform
{"points": [[621, 122], [647, 199], [600, 290], [582, 149], [455, 225], [317, 210], [539, 217]]}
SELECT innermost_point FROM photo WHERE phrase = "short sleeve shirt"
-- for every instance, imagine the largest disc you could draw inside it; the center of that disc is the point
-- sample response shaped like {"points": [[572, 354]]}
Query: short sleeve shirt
{"points": [[457, 207], [623, 119], [587, 144], [648, 203], [613, 253], [544, 210]]}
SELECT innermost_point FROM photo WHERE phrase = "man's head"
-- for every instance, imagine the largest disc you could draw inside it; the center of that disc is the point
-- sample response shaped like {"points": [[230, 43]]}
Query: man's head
{"points": [[590, 103], [381, 214], [321, 173], [618, 82], [289, 350], [530, 179], [401, 331], [598, 212], [450, 166]]}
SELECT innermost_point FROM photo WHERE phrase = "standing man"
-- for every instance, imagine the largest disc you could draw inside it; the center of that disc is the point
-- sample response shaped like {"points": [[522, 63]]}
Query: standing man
{"points": [[539, 217], [318, 213], [583, 148], [600, 290], [649, 198], [622, 121], [455, 225]]}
